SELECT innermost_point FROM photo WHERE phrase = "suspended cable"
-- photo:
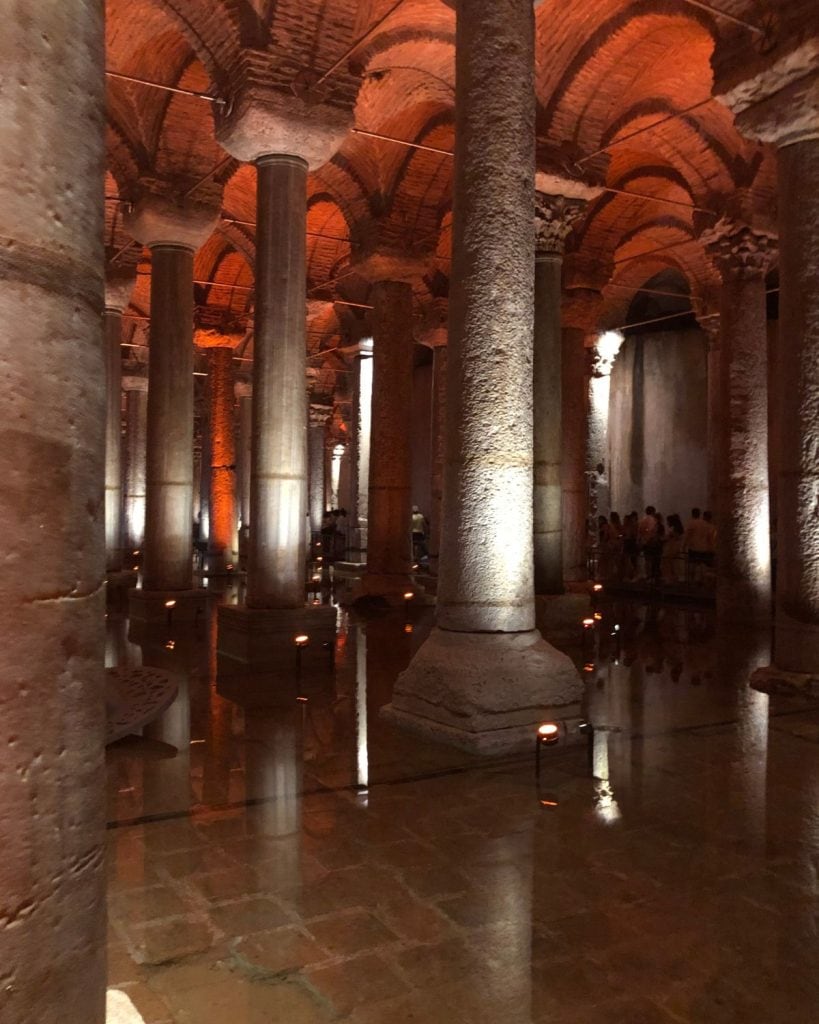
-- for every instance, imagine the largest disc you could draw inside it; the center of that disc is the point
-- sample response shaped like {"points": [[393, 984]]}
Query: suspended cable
{"points": [[641, 131], [165, 88]]}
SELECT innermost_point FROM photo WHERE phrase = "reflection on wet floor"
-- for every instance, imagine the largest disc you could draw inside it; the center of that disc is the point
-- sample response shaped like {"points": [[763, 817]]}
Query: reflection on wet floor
{"points": [[298, 860]]}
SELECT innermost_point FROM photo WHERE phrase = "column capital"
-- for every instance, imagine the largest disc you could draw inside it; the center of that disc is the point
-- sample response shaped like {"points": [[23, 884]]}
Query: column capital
{"points": [[362, 349], [161, 218], [265, 119], [555, 218], [119, 286], [320, 414], [737, 250], [212, 337], [134, 383], [775, 100], [243, 389]]}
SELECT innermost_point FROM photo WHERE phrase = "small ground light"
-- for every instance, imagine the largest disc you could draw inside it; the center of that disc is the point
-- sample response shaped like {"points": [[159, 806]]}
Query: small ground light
{"points": [[589, 666], [319, 559], [597, 587], [169, 606], [302, 700], [408, 628], [136, 552], [317, 579], [300, 642], [408, 596], [169, 646], [588, 623], [548, 802], [229, 567], [598, 616], [136, 568], [547, 735]]}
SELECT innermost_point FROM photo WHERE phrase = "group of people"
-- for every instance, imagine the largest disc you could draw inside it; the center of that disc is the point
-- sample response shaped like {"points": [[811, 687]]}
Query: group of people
{"points": [[654, 547]]}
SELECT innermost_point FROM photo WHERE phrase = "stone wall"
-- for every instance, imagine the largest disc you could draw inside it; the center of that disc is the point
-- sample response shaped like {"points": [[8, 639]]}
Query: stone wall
{"points": [[658, 427]]}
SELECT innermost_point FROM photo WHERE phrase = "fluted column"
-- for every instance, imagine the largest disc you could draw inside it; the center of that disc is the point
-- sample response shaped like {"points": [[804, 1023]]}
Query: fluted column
{"points": [[742, 258], [319, 415], [555, 215], [173, 232], [484, 676], [119, 283], [136, 425], [52, 463]]}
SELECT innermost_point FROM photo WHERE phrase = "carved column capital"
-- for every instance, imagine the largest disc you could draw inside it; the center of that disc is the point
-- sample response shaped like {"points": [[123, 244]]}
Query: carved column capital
{"points": [[737, 250], [134, 383], [320, 414], [555, 217]]}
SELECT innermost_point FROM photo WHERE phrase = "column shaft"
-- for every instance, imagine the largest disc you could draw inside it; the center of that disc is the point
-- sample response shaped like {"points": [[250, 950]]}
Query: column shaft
{"points": [[136, 423], [245, 433], [438, 441], [797, 587], [52, 461], [714, 415], [486, 577], [113, 440], [743, 520], [574, 419], [278, 486], [389, 543], [360, 459], [548, 434], [222, 499], [169, 464], [316, 460]]}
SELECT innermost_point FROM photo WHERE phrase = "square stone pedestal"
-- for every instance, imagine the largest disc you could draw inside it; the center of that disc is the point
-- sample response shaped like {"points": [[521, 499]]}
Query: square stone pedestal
{"points": [[151, 606], [263, 638]]}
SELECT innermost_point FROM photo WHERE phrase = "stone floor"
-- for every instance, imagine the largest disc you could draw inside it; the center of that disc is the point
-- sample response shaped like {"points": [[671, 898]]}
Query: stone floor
{"points": [[667, 872]]}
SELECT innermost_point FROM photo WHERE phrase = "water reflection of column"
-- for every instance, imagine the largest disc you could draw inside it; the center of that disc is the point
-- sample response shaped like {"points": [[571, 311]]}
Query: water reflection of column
{"points": [[362, 753], [274, 777], [508, 896], [167, 780], [605, 804]]}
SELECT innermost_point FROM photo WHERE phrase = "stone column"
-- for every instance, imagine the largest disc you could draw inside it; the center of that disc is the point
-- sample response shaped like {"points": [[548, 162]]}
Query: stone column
{"points": [[119, 283], [389, 529], [223, 543], [244, 396], [319, 415], [283, 141], [52, 459], [581, 311], [173, 232], [711, 328], [742, 258], [438, 435], [360, 456], [485, 677], [136, 424], [604, 352], [555, 216]]}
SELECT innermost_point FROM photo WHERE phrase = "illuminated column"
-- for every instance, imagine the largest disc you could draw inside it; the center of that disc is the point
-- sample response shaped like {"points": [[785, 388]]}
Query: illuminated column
{"points": [[244, 397], [223, 542], [604, 353], [485, 676], [742, 258], [555, 216], [438, 434], [119, 283], [173, 232], [335, 475], [136, 426], [319, 415], [581, 311], [362, 423], [52, 464], [389, 539]]}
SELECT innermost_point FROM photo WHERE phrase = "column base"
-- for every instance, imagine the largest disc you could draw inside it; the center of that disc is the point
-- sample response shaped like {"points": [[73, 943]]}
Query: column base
{"points": [[151, 606], [485, 692], [796, 645], [264, 637]]}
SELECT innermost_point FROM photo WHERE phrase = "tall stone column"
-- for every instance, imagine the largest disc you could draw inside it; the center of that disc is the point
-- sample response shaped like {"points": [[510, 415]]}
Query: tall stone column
{"points": [[711, 328], [52, 460], [485, 677], [136, 426], [438, 435], [244, 397], [742, 258], [173, 232], [555, 216], [119, 283], [284, 137], [598, 457], [319, 415], [360, 455], [389, 530], [782, 108], [222, 539], [581, 311]]}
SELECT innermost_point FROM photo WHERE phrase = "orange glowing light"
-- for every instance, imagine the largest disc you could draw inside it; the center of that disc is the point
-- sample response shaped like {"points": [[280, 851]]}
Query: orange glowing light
{"points": [[316, 600], [548, 729], [136, 568], [597, 616], [409, 595], [589, 666], [549, 803], [301, 700], [588, 623], [408, 627], [169, 646], [302, 640], [317, 579], [319, 559], [170, 604], [597, 588]]}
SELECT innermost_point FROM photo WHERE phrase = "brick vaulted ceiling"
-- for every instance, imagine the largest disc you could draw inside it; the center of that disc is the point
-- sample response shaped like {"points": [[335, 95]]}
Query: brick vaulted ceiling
{"points": [[605, 69]]}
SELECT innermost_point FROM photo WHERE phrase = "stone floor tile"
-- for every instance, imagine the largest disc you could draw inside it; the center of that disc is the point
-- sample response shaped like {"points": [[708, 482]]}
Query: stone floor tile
{"points": [[245, 916], [352, 932], [169, 940], [136, 906], [363, 980], [285, 949], [234, 998]]}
